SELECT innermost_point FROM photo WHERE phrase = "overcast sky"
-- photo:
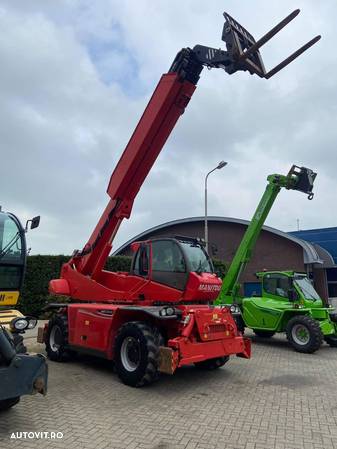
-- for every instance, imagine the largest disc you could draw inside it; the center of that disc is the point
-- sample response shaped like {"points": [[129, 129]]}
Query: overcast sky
{"points": [[76, 75]]}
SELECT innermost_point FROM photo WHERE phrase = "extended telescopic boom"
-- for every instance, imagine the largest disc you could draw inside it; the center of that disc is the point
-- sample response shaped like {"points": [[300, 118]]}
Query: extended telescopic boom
{"points": [[166, 105], [298, 178]]}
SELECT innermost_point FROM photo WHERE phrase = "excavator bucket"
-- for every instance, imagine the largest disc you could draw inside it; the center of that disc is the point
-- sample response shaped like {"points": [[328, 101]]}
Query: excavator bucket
{"points": [[305, 178], [245, 51]]}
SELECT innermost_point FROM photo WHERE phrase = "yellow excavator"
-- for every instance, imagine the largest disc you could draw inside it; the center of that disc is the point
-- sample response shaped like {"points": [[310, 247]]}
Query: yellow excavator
{"points": [[20, 373], [13, 258]]}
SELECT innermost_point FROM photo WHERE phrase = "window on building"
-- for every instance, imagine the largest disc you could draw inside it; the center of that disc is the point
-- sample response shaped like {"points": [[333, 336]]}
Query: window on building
{"points": [[332, 287]]}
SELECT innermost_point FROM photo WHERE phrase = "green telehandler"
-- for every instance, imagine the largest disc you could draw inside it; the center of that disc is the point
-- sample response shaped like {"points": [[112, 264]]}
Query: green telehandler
{"points": [[288, 301]]}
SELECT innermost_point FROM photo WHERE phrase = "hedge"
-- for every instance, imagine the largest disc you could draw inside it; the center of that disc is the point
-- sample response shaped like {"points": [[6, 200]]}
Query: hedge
{"points": [[41, 269], [220, 267]]}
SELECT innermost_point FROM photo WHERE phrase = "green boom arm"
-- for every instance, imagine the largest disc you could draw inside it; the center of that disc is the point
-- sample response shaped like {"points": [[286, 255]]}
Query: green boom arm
{"points": [[298, 178]]}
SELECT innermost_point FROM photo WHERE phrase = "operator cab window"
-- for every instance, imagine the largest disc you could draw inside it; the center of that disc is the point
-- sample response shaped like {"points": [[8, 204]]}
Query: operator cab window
{"points": [[168, 264], [197, 257], [10, 241], [167, 256], [12, 254], [277, 284], [141, 263], [10, 277]]}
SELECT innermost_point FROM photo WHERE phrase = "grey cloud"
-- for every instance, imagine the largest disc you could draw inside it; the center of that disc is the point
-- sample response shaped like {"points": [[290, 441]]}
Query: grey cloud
{"points": [[63, 129]]}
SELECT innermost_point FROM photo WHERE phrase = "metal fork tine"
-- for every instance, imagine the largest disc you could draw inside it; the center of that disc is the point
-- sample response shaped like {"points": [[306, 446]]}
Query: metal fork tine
{"points": [[269, 35], [293, 56]]}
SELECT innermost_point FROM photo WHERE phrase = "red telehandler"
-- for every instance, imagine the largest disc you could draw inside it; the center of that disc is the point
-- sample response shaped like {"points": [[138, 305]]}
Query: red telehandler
{"points": [[159, 316]]}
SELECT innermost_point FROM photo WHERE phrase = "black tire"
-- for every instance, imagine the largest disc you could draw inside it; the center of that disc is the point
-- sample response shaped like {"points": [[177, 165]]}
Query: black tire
{"points": [[263, 334], [331, 340], [8, 403], [212, 364], [137, 353], [311, 338], [57, 339]]}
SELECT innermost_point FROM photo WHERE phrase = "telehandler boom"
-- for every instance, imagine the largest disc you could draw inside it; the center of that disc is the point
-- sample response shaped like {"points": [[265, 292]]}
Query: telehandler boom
{"points": [[298, 178], [157, 317], [288, 302]]}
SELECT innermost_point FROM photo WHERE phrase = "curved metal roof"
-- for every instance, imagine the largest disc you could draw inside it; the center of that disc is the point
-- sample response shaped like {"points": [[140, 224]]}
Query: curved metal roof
{"points": [[310, 254], [324, 254]]}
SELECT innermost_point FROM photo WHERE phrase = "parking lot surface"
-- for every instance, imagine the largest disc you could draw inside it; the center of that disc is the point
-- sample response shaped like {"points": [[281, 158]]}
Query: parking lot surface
{"points": [[277, 400]]}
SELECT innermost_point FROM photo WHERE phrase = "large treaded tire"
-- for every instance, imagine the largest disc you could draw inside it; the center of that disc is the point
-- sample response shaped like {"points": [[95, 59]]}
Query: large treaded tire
{"points": [[57, 351], [331, 340], [263, 334], [8, 403], [314, 331], [212, 364], [144, 344]]}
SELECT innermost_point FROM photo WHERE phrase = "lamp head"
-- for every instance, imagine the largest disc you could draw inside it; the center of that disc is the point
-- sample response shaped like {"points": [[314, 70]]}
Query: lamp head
{"points": [[221, 164]]}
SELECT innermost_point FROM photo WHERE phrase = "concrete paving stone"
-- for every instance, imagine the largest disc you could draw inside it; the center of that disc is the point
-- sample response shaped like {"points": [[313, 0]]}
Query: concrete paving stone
{"points": [[205, 446], [277, 400], [191, 445], [250, 445]]}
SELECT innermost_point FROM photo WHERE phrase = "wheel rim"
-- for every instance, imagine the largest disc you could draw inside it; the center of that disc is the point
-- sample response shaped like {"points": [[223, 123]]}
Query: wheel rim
{"points": [[300, 334], [130, 354], [55, 338]]}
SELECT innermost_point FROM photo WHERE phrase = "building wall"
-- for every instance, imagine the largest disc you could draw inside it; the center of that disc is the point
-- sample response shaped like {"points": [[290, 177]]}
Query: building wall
{"points": [[320, 282], [272, 252]]}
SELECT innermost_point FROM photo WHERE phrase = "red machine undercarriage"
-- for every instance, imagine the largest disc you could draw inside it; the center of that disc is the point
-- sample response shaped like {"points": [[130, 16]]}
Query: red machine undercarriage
{"points": [[193, 334]]}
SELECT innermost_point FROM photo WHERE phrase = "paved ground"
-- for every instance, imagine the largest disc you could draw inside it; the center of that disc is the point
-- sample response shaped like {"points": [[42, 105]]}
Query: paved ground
{"points": [[277, 400]]}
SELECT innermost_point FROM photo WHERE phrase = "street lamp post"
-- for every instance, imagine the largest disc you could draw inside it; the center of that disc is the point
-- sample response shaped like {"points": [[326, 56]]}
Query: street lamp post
{"points": [[221, 164]]}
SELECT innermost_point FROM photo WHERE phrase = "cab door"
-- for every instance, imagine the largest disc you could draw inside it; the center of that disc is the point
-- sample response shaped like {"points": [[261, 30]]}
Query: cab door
{"points": [[12, 259], [265, 312], [168, 264], [159, 264]]}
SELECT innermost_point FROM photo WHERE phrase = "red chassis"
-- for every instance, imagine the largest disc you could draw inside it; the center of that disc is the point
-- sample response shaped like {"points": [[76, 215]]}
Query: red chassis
{"points": [[194, 333], [192, 330]]}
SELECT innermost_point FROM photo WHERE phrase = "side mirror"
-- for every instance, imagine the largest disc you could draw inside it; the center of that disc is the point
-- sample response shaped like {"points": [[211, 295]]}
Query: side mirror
{"points": [[35, 222]]}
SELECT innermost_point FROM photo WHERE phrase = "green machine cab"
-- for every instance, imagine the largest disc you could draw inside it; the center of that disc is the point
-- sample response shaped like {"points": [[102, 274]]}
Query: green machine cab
{"points": [[288, 302]]}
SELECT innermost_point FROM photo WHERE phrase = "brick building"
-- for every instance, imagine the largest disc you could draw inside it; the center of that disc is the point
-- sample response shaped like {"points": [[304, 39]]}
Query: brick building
{"points": [[275, 250]]}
